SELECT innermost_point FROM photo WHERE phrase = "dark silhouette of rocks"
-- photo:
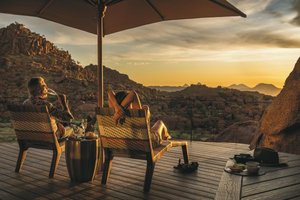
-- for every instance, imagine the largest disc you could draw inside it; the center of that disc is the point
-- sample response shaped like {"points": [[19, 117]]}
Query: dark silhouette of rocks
{"points": [[280, 124], [268, 89]]}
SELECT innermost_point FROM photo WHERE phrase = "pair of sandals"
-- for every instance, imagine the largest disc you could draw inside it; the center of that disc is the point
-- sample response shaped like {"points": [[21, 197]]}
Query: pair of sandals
{"points": [[186, 168]]}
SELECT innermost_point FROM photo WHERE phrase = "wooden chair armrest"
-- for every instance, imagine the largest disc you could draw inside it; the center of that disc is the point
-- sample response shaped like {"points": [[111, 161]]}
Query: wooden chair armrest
{"points": [[178, 143]]}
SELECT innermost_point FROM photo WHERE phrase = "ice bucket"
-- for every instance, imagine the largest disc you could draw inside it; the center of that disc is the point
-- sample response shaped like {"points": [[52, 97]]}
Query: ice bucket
{"points": [[81, 158]]}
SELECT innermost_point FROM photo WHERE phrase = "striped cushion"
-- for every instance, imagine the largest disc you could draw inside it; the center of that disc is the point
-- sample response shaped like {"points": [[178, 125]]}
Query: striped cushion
{"points": [[115, 143], [133, 134], [32, 123], [133, 128]]}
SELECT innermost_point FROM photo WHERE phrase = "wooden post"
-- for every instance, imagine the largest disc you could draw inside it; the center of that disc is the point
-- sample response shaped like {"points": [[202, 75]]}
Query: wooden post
{"points": [[100, 92], [101, 13]]}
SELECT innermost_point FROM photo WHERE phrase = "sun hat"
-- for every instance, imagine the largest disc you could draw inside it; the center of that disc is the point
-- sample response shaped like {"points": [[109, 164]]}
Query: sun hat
{"points": [[267, 157]]}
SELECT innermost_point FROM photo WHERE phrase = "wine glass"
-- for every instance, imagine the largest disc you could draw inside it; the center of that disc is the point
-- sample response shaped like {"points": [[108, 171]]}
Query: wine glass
{"points": [[83, 125], [52, 95], [51, 92]]}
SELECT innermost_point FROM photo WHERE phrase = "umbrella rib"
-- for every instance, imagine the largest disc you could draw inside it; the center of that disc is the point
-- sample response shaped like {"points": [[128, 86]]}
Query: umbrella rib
{"points": [[230, 8], [91, 2], [154, 8], [44, 7], [111, 2]]}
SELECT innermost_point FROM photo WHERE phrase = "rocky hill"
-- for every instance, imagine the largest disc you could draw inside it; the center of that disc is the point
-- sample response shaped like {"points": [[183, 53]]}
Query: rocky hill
{"points": [[268, 89], [24, 54], [280, 125], [210, 110]]}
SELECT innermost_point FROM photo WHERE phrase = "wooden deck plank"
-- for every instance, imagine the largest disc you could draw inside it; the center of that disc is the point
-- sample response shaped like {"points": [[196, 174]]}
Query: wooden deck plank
{"points": [[167, 183], [6, 193], [174, 188], [270, 185], [127, 176], [141, 165], [63, 182], [129, 163], [229, 187], [32, 160], [46, 189], [290, 192], [175, 176], [271, 176], [168, 166], [277, 183]]}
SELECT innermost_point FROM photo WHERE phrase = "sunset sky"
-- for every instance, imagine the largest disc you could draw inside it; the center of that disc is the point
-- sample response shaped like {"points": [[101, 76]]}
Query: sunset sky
{"points": [[214, 51]]}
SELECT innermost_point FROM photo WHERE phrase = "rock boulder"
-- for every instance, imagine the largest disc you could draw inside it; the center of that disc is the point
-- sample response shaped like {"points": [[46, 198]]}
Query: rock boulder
{"points": [[280, 123], [240, 132]]}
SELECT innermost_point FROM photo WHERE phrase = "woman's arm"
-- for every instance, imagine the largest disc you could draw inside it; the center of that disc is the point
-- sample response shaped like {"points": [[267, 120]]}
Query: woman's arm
{"points": [[112, 101]]}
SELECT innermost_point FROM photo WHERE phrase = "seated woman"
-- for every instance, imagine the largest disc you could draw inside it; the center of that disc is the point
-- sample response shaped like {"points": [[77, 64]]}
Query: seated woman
{"points": [[38, 95], [130, 100]]}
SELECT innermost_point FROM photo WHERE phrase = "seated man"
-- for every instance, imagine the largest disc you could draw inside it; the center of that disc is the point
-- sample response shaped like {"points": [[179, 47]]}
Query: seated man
{"points": [[38, 94], [130, 100]]}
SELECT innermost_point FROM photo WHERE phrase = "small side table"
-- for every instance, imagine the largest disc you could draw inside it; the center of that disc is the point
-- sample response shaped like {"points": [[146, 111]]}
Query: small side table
{"points": [[81, 158]]}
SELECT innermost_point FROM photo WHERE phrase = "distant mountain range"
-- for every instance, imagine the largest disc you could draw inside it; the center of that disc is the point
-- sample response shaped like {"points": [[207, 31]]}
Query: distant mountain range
{"points": [[169, 88], [268, 89], [262, 88]]}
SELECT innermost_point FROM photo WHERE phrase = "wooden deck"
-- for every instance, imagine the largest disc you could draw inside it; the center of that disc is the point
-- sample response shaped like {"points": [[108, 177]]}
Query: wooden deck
{"points": [[278, 182], [127, 177]]}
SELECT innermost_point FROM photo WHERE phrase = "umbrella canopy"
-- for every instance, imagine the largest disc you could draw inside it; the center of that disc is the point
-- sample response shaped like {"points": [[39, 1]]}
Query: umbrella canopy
{"points": [[120, 14], [88, 15]]}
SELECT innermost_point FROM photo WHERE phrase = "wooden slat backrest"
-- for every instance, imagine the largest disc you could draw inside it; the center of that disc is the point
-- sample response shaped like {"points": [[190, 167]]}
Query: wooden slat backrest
{"points": [[33, 123], [131, 136]]}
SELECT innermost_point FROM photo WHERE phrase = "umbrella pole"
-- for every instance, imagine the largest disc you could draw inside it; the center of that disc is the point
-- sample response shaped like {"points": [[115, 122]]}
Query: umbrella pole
{"points": [[101, 11]]}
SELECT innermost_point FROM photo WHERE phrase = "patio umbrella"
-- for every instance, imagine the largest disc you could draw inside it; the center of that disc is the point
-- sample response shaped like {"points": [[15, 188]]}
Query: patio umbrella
{"points": [[103, 17]]}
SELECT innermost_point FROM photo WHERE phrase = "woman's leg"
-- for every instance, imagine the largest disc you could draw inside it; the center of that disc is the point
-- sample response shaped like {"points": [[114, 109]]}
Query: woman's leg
{"points": [[161, 130], [132, 100]]}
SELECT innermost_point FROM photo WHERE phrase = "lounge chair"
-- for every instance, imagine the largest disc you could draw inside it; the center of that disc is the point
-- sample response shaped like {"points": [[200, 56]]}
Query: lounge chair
{"points": [[34, 128], [131, 139]]}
